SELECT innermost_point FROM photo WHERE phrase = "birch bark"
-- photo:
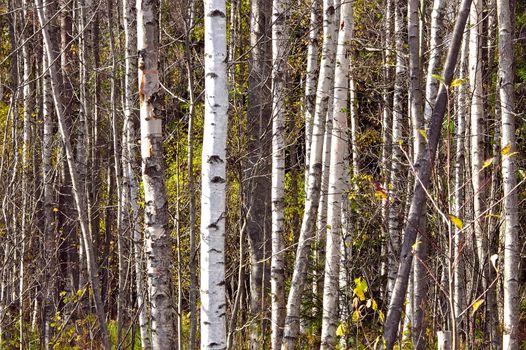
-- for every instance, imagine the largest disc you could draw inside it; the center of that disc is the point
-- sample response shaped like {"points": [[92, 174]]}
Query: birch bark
{"points": [[458, 183], [435, 53], [310, 80], [129, 167], [79, 195], [258, 182], [396, 190], [422, 181], [336, 179], [277, 264], [292, 320], [158, 242], [510, 340], [213, 306], [48, 202], [476, 125]]}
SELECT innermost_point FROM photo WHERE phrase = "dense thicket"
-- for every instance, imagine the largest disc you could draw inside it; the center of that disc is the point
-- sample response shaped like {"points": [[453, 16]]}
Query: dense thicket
{"points": [[257, 174]]}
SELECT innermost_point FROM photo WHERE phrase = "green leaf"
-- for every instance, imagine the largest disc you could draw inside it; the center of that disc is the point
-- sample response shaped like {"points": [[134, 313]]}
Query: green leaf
{"points": [[438, 77]]}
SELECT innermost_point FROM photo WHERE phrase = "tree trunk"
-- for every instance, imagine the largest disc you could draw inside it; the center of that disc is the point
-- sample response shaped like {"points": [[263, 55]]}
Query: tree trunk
{"points": [[419, 143], [279, 81], [158, 242], [510, 339], [213, 306], [435, 54], [458, 184], [476, 133], [311, 77], [129, 168], [325, 82], [396, 191], [337, 181], [422, 182], [79, 195]]}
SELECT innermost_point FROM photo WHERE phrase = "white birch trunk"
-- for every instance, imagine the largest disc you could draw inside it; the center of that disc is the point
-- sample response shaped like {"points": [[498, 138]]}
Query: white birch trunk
{"points": [[157, 237], [277, 265], [213, 306], [26, 98], [78, 194], [336, 179], [292, 320], [419, 290], [510, 340], [422, 182], [47, 176], [311, 77], [458, 183], [387, 123], [129, 169], [435, 54], [396, 190], [477, 122]]}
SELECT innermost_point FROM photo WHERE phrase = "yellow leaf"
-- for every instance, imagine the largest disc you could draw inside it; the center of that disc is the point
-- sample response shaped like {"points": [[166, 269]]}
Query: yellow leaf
{"points": [[414, 246], [55, 209], [511, 154], [374, 305], [381, 316], [380, 194], [457, 82], [355, 316], [487, 163], [360, 289], [476, 305], [456, 221], [341, 330], [423, 133], [506, 149], [377, 342]]}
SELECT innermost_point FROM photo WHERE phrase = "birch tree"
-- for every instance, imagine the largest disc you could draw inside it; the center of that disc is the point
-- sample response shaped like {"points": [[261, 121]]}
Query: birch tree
{"points": [[476, 128], [213, 169], [277, 264], [158, 241], [395, 193], [79, 196], [422, 181], [510, 337], [129, 166], [258, 182], [314, 182], [311, 77], [336, 178]]}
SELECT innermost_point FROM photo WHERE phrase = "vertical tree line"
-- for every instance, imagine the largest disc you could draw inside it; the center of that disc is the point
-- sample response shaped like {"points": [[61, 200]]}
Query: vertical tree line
{"points": [[250, 174]]}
